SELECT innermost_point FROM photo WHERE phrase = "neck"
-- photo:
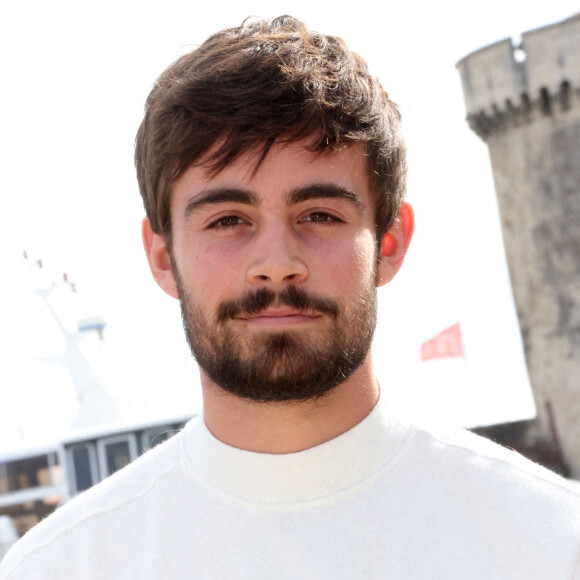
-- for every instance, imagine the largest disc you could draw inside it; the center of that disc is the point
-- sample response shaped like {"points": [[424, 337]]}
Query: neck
{"points": [[288, 427]]}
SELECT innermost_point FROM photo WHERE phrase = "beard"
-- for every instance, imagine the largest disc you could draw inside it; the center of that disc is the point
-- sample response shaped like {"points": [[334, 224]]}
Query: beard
{"points": [[290, 365]]}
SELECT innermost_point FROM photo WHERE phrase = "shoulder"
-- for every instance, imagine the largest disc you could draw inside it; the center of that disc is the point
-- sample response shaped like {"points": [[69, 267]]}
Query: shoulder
{"points": [[478, 489], [481, 465], [96, 510]]}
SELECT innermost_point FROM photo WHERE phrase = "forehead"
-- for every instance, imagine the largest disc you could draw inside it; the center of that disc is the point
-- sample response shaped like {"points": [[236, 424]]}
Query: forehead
{"points": [[285, 168]]}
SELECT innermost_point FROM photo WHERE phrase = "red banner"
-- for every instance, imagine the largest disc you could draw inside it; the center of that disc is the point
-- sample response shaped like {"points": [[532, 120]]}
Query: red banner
{"points": [[446, 344]]}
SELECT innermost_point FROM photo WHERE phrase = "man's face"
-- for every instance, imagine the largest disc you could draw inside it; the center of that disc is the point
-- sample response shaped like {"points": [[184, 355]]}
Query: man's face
{"points": [[276, 271]]}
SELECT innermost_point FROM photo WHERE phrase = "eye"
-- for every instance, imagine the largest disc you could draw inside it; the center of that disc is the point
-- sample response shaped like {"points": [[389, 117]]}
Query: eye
{"points": [[320, 217], [227, 221]]}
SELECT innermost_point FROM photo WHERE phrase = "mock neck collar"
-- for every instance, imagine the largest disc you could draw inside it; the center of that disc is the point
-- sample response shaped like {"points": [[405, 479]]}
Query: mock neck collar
{"points": [[316, 473]]}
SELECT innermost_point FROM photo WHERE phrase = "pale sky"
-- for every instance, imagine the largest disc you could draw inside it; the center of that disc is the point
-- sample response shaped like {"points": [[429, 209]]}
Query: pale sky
{"points": [[75, 76]]}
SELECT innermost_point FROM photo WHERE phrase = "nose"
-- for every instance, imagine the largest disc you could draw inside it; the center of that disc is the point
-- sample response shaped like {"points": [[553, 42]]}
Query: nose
{"points": [[276, 259]]}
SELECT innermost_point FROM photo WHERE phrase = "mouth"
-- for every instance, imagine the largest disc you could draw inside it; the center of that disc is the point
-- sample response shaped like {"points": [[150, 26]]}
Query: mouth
{"points": [[264, 306], [279, 317]]}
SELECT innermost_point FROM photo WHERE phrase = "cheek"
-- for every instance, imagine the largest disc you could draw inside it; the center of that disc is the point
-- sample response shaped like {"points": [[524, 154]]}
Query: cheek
{"points": [[349, 264], [215, 273], [208, 274], [364, 258]]}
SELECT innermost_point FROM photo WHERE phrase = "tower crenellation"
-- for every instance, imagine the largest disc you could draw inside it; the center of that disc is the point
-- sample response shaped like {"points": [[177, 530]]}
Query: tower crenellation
{"points": [[506, 85]]}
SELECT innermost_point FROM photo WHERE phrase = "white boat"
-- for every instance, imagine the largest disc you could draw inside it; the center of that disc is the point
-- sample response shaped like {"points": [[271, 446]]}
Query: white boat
{"points": [[36, 479]]}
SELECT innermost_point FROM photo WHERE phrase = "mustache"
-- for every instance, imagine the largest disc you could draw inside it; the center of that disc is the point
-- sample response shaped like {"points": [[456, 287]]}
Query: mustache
{"points": [[255, 302]]}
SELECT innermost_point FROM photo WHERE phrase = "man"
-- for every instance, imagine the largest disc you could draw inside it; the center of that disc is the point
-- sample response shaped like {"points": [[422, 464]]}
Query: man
{"points": [[272, 170]]}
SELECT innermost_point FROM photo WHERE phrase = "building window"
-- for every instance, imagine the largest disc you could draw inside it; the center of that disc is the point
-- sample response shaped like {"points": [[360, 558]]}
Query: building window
{"points": [[84, 466], [116, 452], [153, 437], [37, 471]]}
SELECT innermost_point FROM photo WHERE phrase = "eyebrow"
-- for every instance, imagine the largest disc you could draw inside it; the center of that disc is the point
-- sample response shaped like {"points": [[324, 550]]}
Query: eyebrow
{"points": [[298, 195], [321, 191], [221, 195]]}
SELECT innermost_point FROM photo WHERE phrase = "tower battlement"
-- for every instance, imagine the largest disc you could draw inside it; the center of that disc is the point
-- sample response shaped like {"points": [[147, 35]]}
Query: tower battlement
{"points": [[506, 85]]}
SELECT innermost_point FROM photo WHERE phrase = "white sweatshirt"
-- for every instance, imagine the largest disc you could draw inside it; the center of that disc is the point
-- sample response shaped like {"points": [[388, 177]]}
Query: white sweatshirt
{"points": [[384, 500]]}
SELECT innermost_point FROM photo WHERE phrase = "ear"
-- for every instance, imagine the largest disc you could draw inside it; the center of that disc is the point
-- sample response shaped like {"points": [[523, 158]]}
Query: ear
{"points": [[395, 245], [158, 258]]}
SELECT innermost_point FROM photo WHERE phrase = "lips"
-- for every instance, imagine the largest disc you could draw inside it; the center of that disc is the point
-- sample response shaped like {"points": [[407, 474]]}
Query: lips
{"points": [[273, 316], [276, 312], [265, 303]]}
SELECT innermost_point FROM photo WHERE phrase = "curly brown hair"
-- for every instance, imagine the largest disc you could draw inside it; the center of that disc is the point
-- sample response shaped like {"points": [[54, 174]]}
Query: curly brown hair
{"points": [[260, 83]]}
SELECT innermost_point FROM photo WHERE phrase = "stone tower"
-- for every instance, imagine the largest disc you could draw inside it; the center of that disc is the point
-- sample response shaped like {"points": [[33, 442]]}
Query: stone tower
{"points": [[524, 102]]}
